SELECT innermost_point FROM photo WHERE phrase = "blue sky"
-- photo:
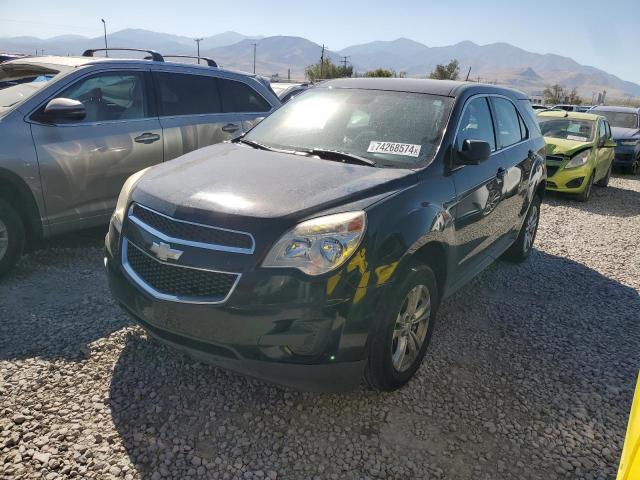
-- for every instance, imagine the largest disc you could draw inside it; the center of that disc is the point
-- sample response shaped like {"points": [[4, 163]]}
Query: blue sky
{"points": [[604, 34]]}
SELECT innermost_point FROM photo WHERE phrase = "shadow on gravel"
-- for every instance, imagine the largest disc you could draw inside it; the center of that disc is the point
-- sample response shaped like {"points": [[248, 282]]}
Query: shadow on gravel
{"points": [[610, 201], [56, 300], [526, 359]]}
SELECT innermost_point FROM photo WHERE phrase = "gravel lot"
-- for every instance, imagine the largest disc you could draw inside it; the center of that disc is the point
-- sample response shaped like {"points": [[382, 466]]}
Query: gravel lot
{"points": [[530, 375]]}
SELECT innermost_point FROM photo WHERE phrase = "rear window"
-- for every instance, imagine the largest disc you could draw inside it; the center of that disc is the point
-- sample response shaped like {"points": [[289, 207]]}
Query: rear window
{"points": [[20, 81], [184, 94], [240, 98]]}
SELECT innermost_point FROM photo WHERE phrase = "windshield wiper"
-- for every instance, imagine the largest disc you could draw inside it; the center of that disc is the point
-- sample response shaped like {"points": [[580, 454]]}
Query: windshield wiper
{"points": [[338, 156]]}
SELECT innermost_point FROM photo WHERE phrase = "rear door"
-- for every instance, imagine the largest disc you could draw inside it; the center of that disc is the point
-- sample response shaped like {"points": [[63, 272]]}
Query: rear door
{"points": [[84, 163], [605, 152], [197, 110], [515, 158]]}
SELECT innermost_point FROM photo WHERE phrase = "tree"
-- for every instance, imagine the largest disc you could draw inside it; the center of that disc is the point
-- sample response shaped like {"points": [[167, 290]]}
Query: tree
{"points": [[553, 94], [557, 94], [451, 71], [380, 72], [326, 70]]}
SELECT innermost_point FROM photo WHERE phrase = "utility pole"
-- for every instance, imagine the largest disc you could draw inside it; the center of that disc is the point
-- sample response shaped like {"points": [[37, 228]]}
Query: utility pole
{"points": [[104, 26], [322, 63], [255, 45], [468, 73], [344, 64], [198, 40]]}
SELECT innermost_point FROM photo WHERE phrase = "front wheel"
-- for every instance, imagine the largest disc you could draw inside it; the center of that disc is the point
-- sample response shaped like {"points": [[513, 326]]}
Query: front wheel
{"points": [[604, 182], [398, 345], [12, 237], [586, 193], [521, 248]]}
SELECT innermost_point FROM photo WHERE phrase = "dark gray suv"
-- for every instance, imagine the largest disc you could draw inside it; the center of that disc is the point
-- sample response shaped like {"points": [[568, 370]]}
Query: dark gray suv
{"points": [[74, 128], [315, 250]]}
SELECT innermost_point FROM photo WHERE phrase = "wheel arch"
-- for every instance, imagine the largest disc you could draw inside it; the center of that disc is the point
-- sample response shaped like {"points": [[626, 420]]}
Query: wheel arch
{"points": [[16, 192]]}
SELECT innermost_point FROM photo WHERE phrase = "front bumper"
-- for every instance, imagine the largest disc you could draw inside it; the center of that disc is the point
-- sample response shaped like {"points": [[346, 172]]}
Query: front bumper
{"points": [[625, 156], [573, 180], [298, 331]]}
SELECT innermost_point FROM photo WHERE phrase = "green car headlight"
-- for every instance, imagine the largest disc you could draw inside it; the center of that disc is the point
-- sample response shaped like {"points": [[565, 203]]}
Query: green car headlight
{"points": [[578, 160]]}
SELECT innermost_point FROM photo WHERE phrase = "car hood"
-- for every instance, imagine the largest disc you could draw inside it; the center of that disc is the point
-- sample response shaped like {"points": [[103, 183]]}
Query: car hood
{"points": [[557, 146], [238, 180], [624, 133]]}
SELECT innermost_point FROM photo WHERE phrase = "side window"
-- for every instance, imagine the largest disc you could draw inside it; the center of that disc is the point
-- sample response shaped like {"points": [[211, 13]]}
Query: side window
{"points": [[185, 94], [609, 135], [476, 123], [524, 132], [508, 122], [602, 132], [238, 98], [110, 96]]}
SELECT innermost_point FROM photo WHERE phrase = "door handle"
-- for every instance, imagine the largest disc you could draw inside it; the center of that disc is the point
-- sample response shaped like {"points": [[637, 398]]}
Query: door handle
{"points": [[230, 128], [147, 138], [500, 174]]}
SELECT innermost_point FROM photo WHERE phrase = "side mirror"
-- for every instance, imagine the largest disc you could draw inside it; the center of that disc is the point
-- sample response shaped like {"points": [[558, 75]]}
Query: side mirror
{"points": [[473, 152], [610, 143], [64, 109]]}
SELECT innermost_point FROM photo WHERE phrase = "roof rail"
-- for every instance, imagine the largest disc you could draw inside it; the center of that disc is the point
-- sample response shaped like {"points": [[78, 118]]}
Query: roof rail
{"points": [[155, 56], [210, 62]]}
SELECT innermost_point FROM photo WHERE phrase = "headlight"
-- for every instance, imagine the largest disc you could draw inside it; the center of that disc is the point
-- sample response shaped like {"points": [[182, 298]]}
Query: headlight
{"points": [[578, 160], [123, 198], [319, 245], [628, 143]]}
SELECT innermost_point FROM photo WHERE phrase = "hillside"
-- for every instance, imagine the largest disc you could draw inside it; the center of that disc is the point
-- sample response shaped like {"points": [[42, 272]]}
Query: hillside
{"points": [[498, 62]]}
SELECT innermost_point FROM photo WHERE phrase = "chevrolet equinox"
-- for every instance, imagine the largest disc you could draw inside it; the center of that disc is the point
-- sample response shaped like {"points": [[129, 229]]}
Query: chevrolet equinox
{"points": [[314, 250]]}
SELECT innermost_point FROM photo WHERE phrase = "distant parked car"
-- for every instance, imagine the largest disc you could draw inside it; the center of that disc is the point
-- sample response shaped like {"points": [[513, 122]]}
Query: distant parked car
{"points": [[5, 57], [539, 107], [567, 107], [286, 91], [74, 128], [625, 126], [579, 151]]}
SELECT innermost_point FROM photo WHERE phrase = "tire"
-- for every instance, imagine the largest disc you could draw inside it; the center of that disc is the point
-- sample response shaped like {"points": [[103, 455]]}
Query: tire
{"points": [[586, 193], [387, 367], [521, 248], [633, 169], [12, 237], [604, 181]]}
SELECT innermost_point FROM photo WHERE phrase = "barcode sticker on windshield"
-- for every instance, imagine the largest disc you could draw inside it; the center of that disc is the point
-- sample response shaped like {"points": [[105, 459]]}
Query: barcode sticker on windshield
{"points": [[407, 149], [577, 138]]}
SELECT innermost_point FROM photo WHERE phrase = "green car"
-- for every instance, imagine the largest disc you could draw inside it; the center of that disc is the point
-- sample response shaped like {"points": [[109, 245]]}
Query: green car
{"points": [[580, 151]]}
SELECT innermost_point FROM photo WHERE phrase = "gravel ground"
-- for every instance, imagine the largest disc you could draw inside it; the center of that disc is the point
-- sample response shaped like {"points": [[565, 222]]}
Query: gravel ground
{"points": [[530, 376]]}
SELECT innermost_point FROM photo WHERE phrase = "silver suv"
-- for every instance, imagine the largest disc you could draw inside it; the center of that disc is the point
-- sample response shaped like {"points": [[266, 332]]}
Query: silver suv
{"points": [[74, 128]]}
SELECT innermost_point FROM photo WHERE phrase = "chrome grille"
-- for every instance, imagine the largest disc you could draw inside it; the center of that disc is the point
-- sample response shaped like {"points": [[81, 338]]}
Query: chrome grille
{"points": [[175, 282], [189, 233]]}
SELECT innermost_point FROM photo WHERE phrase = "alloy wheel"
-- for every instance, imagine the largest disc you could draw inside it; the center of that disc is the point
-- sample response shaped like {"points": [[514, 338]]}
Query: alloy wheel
{"points": [[531, 227], [4, 239], [410, 329]]}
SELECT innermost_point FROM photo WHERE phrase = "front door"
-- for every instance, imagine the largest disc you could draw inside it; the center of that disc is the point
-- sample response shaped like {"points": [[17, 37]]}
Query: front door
{"points": [[84, 163], [479, 191]]}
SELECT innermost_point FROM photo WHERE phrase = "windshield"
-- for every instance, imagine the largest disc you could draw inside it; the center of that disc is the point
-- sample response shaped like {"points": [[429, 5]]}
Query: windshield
{"points": [[620, 119], [567, 128], [18, 82], [393, 129]]}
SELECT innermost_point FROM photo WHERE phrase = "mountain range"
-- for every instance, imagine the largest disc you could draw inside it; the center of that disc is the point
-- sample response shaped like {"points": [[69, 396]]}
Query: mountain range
{"points": [[497, 63]]}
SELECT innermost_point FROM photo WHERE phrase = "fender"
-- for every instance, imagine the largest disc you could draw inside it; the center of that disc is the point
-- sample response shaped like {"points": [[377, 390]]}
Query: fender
{"points": [[25, 201]]}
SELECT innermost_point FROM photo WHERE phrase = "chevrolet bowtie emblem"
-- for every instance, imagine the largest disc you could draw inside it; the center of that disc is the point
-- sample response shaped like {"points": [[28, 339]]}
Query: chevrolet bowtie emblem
{"points": [[164, 251]]}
